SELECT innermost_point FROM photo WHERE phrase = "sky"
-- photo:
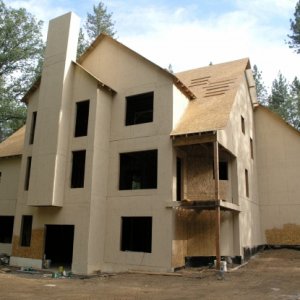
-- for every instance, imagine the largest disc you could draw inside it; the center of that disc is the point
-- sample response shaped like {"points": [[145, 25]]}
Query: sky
{"points": [[190, 34]]}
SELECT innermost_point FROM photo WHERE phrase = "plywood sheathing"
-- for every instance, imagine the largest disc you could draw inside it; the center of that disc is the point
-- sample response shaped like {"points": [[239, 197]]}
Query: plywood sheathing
{"points": [[215, 88], [288, 235], [13, 145], [36, 249], [200, 180]]}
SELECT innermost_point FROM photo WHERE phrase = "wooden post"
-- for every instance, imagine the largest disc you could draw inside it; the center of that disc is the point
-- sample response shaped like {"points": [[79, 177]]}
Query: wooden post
{"points": [[217, 198]]}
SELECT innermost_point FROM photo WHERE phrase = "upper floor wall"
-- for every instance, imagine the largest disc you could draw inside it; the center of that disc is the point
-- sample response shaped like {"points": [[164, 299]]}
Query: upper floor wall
{"points": [[131, 75]]}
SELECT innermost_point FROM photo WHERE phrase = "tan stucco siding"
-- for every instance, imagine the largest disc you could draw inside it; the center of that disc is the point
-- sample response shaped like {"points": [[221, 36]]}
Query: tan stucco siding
{"points": [[239, 144], [278, 148]]}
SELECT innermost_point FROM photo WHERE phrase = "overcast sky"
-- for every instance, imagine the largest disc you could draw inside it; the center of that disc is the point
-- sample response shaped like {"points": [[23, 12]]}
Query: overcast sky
{"points": [[191, 34]]}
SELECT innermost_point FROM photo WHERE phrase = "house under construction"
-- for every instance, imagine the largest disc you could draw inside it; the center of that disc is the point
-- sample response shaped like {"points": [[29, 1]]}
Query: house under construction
{"points": [[123, 165]]}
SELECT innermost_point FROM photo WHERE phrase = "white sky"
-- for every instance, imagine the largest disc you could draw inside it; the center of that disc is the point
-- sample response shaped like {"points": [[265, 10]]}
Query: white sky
{"points": [[190, 34]]}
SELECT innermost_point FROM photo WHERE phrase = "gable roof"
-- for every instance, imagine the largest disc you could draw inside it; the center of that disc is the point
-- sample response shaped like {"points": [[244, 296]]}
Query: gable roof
{"points": [[13, 145], [215, 87], [180, 85]]}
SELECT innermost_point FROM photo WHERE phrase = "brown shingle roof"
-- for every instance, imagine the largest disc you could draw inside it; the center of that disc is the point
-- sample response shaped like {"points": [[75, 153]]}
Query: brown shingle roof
{"points": [[13, 145], [215, 88]]}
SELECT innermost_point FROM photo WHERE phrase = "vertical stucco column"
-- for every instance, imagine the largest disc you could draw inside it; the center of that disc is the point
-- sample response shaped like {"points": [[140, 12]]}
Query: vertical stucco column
{"points": [[50, 149]]}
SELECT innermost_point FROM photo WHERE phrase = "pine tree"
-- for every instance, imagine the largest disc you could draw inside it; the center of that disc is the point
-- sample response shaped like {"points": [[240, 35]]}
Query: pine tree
{"points": [[295, 95], [100, 21], [261, 90], [294, 41]]}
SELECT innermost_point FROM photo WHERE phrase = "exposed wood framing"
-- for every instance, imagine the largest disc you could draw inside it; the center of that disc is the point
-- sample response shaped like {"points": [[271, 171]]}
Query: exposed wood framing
{"points": [[193, 139], [218, 210]]}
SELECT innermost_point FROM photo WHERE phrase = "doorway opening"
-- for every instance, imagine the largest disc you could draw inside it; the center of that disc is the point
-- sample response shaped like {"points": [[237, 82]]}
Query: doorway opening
{"points": [[59, 244]]}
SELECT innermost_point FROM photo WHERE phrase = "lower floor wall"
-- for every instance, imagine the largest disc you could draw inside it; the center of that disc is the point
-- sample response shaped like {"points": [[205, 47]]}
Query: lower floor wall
{"points": [[195, 235], [36, 248]]}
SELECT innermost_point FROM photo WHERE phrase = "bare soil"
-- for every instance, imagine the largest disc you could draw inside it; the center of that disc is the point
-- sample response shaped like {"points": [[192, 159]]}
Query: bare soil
{"points": [[272, 274]]}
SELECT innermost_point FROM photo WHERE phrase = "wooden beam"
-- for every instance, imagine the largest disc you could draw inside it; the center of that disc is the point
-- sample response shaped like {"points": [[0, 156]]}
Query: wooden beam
{"points": [[193, 140], [218, 210]]}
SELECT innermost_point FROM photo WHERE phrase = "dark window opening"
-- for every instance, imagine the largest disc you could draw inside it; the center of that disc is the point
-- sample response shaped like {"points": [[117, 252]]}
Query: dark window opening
{"points": [[136, 234], [59, 244], [0, 176], [139, 109], [82, 118], [247, 183], [78, 169], [32, 129], [243, 124], [251, 148], [138, 170], [223, 170], [27, 174], [178, 179], [26, 228], [6, 229]]}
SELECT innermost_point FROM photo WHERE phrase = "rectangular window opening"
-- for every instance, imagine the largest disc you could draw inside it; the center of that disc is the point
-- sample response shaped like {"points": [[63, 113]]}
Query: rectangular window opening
{"points": [[139, 109], [32, 129], [26, 228], [27, 174], [0, 176], [138, 170], [136, 234], [223, 170], [82, 118], [243, 124], [251, 148], [6, 229], [78, 169], [178, 179], [247, 182]]}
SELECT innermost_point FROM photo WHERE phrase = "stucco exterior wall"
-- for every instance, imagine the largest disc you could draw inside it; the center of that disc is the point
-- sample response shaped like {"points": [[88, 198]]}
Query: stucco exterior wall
{"points": [[10, 171], [238, 143], [278, 148]]}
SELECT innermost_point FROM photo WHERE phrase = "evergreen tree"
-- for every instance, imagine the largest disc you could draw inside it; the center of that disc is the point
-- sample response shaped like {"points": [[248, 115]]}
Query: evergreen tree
{"points": [[279, 100], [21, 49], [97, 22], [261, 90], [294, 41], [295, 95]]}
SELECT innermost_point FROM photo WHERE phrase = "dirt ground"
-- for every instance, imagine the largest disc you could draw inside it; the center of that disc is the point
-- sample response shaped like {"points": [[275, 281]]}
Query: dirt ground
{"points": [[273, 274]]}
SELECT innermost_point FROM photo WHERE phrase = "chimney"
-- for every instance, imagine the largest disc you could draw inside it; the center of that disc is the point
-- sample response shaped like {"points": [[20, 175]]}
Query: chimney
{"points": [[50, 149]]}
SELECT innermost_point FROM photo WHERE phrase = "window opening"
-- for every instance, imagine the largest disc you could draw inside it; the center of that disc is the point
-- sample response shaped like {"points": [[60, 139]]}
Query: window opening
{"points": [[78, 169], [251, 148], [6, 229], [26, 228], [138, 170], [136, 234], [178, 179], [243, 124], [27, 174], [223, 170], [82, 118], [247, 182], [139, 109], [32, 129]]}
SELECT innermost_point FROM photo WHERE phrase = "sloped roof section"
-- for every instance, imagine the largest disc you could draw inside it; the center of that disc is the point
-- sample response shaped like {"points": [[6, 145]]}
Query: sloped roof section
{"points": [[13, 145], [215, 88], [100, 83]]}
